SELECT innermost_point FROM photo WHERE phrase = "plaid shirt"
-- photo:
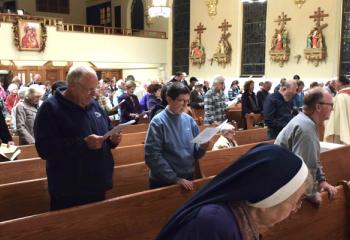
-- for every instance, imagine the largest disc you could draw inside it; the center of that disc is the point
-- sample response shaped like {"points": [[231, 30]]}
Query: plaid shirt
{"points": [[214, 106], [104, 103]]}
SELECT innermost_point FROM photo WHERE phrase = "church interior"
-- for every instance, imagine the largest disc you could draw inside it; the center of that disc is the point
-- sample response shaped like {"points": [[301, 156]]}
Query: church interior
{"points": [[130, 45], [111, 35]]}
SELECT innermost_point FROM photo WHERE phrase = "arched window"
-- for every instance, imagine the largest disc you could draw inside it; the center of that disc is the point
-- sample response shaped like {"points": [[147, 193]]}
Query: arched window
{"points": [[137, 15]]}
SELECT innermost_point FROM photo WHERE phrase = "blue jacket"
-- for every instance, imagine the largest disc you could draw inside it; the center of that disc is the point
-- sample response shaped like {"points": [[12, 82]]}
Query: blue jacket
{"points": [[72, 168], [277, 112], [169, 152]]}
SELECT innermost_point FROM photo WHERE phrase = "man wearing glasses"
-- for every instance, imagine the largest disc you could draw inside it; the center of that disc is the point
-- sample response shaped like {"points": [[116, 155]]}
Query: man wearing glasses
{"points": [[69, 129], [301, 137]]}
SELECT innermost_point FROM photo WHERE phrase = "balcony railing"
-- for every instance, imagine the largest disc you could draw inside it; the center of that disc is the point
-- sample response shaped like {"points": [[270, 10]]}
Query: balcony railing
{"points": [[68, 27]]}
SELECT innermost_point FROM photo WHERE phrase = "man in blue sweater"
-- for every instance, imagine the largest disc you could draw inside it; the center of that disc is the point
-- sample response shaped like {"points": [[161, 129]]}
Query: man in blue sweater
{"points": [[69, 129], [169, 152]]}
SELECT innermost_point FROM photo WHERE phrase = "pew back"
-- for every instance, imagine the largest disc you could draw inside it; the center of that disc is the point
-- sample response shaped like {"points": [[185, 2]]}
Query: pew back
{"points": [[136, 216], [141, 216], [330, 221]]}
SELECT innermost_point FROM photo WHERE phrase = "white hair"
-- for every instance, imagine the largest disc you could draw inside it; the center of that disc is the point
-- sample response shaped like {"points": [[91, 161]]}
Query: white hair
{"points": [[12, 87], [218, 79], [22, 92], [34, 90], [77, 73], [226, 128], [120, 83]]}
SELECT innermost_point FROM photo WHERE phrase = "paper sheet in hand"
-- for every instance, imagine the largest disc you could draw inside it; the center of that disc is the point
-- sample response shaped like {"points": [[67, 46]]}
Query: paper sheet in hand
{"points": [[207, 134], [117, 129]]}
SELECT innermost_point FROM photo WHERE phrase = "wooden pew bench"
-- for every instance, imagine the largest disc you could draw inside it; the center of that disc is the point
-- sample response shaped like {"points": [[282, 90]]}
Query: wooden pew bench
{"points": [[243, 137], [31, 197], [18, 200], [35, 167], [142, 215], [330, 221], [22, 170]]}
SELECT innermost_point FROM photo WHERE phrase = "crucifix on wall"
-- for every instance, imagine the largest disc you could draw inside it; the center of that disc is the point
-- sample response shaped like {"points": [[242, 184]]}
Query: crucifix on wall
{"points": [[279, 51], [316, 50], [223, 51], [197, 51]]}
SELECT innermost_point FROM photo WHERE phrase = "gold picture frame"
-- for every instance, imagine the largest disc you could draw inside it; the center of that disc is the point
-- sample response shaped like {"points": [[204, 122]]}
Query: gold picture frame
{"points": [[29, 35]]}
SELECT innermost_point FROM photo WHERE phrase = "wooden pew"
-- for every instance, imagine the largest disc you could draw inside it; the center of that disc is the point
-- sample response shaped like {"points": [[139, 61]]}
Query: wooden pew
{"points": [[35, 167], [335, 162], [127, 179], [139, 216], [17, 200], [29, 151], [215, 161], [130, 137], [23, 170], [330, 221], [142, 127], [31, 197]]}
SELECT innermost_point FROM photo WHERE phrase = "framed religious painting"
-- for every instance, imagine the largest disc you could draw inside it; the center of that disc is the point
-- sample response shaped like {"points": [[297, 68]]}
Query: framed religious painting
{"points": [[30, 35]]}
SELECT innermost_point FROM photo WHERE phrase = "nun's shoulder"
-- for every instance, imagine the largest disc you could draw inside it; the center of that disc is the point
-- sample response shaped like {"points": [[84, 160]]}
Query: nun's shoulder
{"points": [[213, 221]]}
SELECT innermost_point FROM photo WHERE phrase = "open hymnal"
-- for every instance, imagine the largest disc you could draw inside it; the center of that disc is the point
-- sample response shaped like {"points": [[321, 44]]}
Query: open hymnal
{"points": [[117, 129], [9, 152], [207, 134]]}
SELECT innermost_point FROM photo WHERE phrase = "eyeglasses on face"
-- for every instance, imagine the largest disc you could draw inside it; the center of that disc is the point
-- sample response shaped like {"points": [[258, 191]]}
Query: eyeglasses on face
{"points": [[328, 104], [88, 90]]}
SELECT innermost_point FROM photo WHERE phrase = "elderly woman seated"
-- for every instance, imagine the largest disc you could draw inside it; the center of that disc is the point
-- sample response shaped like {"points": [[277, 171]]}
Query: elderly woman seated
{"points": [[227, 138]]}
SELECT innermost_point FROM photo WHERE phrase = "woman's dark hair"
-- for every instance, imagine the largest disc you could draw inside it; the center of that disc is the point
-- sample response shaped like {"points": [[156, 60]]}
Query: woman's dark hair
{"points": [[314, 84], [56, 85], [153, 88], [175, 89], [247, 85]]}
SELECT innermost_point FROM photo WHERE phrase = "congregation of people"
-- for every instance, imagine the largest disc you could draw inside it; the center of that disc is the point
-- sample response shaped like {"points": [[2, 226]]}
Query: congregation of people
{"points": [[70, 121]]}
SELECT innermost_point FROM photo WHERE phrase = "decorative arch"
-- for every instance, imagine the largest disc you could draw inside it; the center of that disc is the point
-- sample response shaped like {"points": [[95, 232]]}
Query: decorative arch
{"points": [[137, 15]]}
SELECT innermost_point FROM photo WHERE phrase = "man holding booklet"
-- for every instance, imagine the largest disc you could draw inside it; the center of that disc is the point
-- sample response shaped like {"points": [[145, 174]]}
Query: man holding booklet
{"points": [[72, 135], [169, 151]]}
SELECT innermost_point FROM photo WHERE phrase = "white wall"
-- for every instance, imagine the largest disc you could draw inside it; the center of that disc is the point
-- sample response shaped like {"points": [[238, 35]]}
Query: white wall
{"points": [[103, 50], [298, 29]]}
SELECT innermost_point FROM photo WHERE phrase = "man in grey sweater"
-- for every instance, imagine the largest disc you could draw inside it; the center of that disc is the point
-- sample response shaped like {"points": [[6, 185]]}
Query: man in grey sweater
{"points": [[301, 137]]}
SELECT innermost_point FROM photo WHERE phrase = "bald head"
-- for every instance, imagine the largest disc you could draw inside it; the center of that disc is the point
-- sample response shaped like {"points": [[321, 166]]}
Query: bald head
{"points": [[318, 104], [77, 73], [288, 89]]}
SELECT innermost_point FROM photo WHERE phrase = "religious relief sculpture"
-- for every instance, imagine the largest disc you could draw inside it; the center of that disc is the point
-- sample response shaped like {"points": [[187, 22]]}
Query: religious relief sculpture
{"points": [[279, 51], [316, 50], [223, 51], [299, 3], [212, 7], [197, 50]]}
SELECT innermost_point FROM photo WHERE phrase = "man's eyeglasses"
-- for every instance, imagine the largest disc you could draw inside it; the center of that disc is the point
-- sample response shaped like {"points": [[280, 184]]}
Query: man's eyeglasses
{"points": [[88, 90], [329, 104]]}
